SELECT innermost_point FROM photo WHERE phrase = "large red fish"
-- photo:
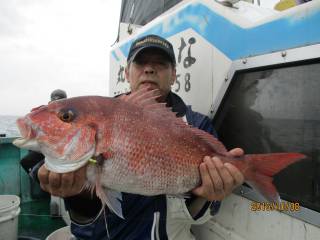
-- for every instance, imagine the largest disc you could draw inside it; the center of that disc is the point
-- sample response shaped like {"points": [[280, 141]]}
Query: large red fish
{"points": [[140, 146]]}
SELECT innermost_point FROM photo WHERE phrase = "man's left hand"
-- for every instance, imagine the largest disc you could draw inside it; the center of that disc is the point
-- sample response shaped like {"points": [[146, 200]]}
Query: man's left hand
{"points": [[218, 179]]}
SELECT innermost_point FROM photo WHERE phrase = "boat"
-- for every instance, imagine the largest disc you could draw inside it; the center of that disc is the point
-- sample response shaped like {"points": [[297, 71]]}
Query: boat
{"points": [[255, 72]]}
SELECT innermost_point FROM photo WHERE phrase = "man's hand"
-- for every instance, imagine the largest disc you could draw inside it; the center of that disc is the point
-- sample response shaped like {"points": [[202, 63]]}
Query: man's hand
{"points": [[218, 179], [62, 184]]}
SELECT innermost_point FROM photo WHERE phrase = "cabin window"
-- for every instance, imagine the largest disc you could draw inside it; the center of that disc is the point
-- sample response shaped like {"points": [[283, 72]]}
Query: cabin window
{"points": [[278, 110], [142, 12]]}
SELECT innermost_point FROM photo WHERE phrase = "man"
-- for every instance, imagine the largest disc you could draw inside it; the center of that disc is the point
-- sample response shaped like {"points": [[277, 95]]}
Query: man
{"points": [[150, 63]]}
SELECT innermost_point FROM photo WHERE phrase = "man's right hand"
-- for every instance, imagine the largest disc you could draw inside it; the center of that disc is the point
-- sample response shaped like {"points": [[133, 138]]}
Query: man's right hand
{"points": [[62, 184]]}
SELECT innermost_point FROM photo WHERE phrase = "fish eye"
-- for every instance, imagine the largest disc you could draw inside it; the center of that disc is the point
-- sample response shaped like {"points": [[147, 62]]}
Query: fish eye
{"points": [[66, 115]]}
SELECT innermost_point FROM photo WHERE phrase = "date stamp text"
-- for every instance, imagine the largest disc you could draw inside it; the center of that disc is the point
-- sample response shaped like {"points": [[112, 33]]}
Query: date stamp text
{"points": [[282, 206]]}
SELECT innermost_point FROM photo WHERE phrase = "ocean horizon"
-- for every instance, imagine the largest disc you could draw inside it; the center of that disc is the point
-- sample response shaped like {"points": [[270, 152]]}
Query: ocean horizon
{"points": [[8, 127]]}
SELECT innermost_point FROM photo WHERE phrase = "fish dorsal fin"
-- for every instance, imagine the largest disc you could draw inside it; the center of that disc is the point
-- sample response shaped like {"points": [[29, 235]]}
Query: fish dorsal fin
{"points": [[147, 100], [142, 97], [213, 142]]}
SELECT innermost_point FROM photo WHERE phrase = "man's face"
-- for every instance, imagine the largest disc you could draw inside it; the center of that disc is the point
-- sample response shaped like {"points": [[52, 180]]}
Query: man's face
{"points": [[153, 69]]}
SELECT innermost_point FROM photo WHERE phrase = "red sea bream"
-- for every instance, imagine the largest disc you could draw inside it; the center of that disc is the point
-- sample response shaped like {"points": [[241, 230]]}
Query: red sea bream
{"points": [[140, 146]]}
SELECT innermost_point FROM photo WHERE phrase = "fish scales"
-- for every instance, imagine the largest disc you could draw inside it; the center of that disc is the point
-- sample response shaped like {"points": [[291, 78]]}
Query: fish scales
{"points": [[150, 151]]}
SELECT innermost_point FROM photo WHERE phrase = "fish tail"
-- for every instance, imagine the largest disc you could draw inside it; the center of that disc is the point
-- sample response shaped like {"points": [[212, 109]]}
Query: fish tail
{"points": [[264, 167]]}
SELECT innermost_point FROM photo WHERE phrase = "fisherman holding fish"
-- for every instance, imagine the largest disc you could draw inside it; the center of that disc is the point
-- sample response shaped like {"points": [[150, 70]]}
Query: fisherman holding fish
{"points": [[156, 174], [151, 63]]}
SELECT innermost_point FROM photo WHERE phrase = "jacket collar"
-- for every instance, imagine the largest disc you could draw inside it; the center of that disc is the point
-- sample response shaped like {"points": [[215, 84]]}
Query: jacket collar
{"points": [[177, 104]]}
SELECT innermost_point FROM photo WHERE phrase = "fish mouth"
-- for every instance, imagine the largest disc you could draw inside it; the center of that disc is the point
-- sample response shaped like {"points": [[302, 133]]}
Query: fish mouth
{"points": [[62, 165], [24, 128], [25, 143], [27, 140], [54, 161]]}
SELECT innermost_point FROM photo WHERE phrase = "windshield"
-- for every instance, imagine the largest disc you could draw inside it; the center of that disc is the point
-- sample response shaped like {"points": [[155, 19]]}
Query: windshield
{"points": [[141, 12]]}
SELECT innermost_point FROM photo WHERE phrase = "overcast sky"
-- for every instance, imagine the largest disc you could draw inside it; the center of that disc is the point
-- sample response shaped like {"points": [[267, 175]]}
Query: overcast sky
{"points": [[50, 44]]}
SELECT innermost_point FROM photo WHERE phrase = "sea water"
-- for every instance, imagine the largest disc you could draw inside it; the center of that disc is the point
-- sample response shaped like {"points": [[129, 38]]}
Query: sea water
{"points": [[8, 127]]}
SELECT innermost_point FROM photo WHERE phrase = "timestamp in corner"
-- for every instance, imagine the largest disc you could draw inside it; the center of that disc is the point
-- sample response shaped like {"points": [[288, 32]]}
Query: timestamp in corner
{"points": [[279, 206]]}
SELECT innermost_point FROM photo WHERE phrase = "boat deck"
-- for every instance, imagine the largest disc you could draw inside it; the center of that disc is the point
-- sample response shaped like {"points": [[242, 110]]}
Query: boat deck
{"points": [[35, 220]]}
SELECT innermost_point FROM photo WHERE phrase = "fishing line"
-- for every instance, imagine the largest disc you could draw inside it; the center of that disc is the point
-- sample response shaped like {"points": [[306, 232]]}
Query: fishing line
{"points": [[105, 220]]}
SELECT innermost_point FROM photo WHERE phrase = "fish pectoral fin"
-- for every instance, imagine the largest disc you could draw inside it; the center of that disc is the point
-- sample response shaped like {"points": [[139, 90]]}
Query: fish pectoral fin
{"points": [[113, 200]]}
